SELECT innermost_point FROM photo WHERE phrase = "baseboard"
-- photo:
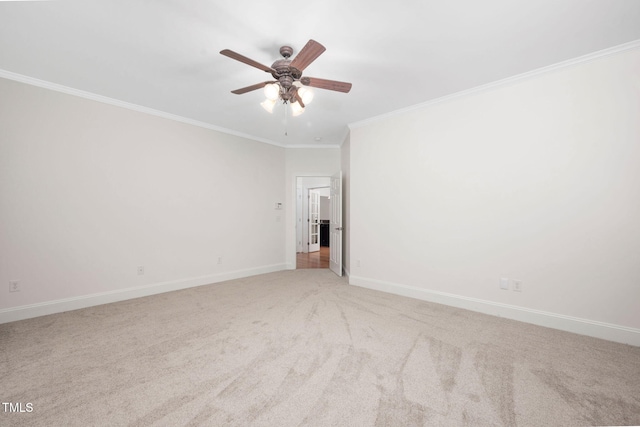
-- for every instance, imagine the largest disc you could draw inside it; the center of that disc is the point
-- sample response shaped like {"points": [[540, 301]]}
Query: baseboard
{"points": [[607, 331], [67, 304]]}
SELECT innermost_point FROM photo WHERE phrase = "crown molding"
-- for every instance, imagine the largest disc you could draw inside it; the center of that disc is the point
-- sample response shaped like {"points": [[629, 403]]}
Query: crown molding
{"points": [[127, 105], [146, 110], [503, 82], [313, 146]]}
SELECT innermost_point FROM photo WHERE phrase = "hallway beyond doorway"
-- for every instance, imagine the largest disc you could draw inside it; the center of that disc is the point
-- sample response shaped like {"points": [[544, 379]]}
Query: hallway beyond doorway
{"points": [[318, 259]]}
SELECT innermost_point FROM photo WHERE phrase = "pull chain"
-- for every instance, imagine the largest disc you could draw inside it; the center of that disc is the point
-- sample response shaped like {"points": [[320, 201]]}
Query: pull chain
{"points": [[285, 120]]}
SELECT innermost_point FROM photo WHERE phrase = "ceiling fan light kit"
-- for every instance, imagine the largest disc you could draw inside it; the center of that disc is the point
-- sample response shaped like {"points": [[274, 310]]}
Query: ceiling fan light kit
{"points": [[289, 85]]}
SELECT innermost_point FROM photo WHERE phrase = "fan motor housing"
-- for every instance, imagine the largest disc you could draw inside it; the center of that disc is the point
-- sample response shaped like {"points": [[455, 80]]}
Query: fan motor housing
{"points": [[285, 81], [282, 68]]}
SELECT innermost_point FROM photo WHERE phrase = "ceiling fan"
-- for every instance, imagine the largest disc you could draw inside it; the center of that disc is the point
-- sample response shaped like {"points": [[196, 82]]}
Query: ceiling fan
{"points": [[287, 72]]}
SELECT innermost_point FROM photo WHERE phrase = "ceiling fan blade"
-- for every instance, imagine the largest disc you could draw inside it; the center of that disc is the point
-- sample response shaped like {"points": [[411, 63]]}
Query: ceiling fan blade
{"points": [[234, 55], [326, 84], [307, 55], [250, 88]]}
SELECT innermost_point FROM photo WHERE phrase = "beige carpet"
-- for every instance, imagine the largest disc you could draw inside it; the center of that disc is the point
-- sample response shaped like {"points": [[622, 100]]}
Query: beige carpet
{"points": [[305, 348]]}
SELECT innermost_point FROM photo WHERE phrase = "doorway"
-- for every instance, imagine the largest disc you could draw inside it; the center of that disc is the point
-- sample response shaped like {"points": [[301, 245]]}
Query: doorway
{"points": [[313, 210], [333, 223]]}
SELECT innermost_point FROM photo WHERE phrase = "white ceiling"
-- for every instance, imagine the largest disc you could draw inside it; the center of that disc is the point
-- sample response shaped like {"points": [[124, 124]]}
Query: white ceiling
{"points": [[164, 54]]}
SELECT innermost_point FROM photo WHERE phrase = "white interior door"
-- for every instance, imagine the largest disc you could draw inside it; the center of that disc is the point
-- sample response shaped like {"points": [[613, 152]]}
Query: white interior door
{"points": [[335, 227], [314, 220], [299, 223]]}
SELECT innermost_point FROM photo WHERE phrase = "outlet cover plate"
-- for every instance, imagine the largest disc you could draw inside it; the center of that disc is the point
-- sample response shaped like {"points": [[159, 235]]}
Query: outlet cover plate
{"points": [[517, 285]]}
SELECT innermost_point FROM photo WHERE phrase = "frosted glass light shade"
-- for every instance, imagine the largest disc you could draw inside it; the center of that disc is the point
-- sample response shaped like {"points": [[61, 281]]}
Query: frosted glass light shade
{"points": [[296, 109], [268, 104], [272, 91], [306, 94]]}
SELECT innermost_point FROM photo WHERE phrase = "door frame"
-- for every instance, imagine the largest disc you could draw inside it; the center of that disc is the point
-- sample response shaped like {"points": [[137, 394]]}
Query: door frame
{"points": [[295, 205]]}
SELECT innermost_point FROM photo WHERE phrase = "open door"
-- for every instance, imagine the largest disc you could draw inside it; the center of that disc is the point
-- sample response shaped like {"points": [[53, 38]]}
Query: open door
{"points": [[335, 227], [314, 221]]}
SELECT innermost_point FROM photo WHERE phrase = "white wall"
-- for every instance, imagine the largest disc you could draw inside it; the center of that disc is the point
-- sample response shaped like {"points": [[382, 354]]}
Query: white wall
{"points": [[90, 191], [536, 180], [300, 162]]}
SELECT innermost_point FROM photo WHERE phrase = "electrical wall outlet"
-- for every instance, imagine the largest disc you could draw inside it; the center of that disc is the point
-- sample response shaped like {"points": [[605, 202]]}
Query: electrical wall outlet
{"points": [[140, 270], [219, 260], [14, 286], [517, 285]]}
